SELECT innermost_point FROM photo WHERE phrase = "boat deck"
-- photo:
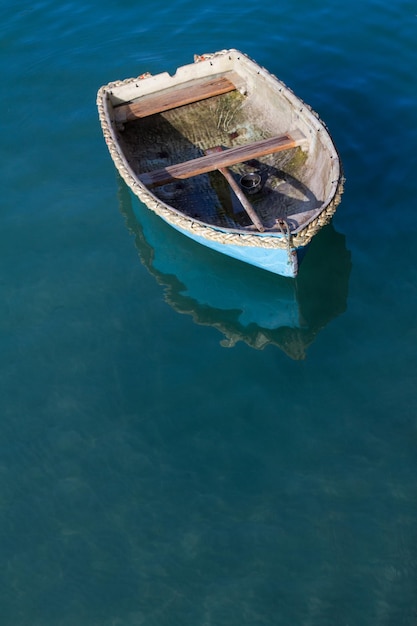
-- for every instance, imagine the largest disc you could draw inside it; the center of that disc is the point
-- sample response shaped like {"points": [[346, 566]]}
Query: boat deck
{"points": [[184, 133]]}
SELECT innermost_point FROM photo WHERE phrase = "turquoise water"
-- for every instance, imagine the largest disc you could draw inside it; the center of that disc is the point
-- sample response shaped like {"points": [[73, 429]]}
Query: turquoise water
{"points": [[215, 446]]}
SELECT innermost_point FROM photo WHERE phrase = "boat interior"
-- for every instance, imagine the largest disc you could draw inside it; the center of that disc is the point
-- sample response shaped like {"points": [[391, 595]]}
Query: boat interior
{"points": [[185, 143]]}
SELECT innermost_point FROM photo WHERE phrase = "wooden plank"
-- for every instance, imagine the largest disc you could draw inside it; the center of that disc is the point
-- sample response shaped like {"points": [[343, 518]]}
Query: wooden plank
{"points": [[238, 192], [176, 97], [232, 156]]}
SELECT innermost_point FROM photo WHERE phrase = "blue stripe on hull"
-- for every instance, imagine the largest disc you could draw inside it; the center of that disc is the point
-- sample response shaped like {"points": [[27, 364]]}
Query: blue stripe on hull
{"points": [[276, 260]]}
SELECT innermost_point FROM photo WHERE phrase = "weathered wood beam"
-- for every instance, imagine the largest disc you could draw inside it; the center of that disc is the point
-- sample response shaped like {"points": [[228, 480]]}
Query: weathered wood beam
{"points": [[175, 97], [232, 156]]}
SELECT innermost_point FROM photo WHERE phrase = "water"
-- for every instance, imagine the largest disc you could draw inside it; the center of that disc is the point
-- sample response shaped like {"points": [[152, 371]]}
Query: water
{"points": [[149, 474]]}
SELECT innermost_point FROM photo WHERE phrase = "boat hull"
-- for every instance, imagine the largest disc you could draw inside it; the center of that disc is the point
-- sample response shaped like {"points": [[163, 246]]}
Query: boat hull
{"points": [[281, 261]]}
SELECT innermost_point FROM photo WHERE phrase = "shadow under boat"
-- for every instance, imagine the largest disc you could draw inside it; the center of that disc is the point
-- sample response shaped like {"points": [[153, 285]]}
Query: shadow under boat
{"points": [[244, 303]]}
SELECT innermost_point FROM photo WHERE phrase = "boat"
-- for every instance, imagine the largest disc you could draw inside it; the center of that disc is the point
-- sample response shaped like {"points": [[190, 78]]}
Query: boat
{"points": [[228, 155], [243, 303]]}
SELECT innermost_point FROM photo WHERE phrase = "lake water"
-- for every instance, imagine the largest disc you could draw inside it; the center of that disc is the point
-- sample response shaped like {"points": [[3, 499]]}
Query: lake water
{"points": [[175, 447]]}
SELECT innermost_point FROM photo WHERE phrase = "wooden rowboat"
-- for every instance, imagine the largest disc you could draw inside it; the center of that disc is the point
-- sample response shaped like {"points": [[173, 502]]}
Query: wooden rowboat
{"points": [[226, 154]]}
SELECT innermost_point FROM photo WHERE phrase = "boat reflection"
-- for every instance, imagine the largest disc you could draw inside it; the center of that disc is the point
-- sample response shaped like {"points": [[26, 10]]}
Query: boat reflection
{"points": [[244, 303]]}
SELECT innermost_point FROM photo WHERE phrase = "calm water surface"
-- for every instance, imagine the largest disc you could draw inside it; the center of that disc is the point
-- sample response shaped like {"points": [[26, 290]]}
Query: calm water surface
{"points": [[176, 447]]}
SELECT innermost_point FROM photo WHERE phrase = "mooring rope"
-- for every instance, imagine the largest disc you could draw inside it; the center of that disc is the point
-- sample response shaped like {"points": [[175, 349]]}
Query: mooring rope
{"points": [[285, 230]]}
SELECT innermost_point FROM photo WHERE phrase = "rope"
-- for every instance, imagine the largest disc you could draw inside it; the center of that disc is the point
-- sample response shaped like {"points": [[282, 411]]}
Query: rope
{"points": [[282, 223]]}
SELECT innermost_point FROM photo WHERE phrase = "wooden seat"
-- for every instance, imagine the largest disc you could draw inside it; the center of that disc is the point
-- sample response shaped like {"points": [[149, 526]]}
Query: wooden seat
{"points": [[193, 91], [232, 156]]}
